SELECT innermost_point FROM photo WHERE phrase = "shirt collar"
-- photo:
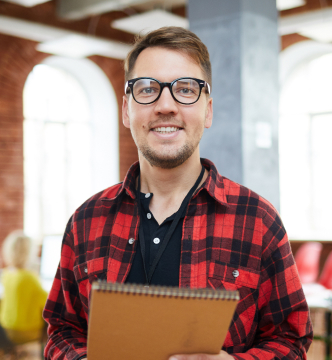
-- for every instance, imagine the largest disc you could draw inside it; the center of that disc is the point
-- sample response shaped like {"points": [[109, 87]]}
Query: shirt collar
{"points": [[214, 184], [128, 185]]}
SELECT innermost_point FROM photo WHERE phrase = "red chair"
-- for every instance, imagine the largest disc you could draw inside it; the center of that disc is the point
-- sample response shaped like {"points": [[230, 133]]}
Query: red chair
{"points": [[307, 261], [325, 278]]}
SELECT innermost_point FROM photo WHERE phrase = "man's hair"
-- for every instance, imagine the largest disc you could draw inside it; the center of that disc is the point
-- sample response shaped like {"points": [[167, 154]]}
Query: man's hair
{"points": [[17, 249], [173, 38]]}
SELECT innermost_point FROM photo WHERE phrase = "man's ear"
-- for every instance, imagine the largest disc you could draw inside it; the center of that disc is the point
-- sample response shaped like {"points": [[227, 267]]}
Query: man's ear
{"points": [[125, 112], [209, 114]]}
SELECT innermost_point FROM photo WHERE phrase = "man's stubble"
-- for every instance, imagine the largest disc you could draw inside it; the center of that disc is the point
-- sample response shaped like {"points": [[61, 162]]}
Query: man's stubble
{"points": [[166, 159]]}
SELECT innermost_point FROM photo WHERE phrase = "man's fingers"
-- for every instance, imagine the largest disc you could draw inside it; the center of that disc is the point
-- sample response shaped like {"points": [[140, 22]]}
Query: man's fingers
{"points": [[223, 355], [195, 357]]}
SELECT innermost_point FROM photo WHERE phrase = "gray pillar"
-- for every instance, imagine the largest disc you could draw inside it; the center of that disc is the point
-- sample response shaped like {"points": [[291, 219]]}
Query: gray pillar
{"points": [[243, 42]]}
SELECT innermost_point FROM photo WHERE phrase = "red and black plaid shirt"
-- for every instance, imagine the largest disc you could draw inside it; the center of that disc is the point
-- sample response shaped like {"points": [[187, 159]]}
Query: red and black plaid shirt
{"points": [[227, 227]]}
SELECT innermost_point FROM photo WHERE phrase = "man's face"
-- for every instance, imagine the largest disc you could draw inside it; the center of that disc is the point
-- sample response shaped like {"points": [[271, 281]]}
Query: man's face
{"points": [[166, 132]]}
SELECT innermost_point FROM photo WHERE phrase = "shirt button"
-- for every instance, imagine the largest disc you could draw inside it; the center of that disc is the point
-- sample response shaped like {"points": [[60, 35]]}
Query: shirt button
{"points": [[148, 216], [131, 241], [86, 270], [147, 195], [156, 241], [235, 273]]}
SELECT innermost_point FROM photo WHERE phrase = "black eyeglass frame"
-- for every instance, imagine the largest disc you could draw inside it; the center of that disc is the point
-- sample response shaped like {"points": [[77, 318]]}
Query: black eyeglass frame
{"points": [[201, 83]]}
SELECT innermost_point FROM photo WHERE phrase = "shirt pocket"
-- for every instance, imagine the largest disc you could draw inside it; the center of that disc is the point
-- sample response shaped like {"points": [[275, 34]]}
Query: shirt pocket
{"points": [[86, 273], [231, 276], [246, 281]]}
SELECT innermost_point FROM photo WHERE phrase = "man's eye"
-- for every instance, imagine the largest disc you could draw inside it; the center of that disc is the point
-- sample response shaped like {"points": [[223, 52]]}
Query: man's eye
{"points": [[186, 91], [148, 90]]}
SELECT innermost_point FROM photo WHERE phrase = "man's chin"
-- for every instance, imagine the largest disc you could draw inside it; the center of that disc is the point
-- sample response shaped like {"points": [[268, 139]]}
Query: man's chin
{"points": [[167, 162]]}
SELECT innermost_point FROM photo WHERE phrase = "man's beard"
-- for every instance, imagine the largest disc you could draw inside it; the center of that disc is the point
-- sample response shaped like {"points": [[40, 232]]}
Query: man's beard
{"points": [[167, 161]]}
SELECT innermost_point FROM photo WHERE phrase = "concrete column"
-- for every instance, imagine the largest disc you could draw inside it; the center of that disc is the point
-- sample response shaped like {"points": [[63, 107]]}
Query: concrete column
{"points": [[243, 42]]}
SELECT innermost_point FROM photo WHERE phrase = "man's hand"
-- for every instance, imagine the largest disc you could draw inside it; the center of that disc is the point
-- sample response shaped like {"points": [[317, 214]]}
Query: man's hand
{"points": [[221, 356]]}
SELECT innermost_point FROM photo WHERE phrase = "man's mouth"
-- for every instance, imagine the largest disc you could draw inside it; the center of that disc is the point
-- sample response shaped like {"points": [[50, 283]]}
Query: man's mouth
{"points": [[166, 130]]}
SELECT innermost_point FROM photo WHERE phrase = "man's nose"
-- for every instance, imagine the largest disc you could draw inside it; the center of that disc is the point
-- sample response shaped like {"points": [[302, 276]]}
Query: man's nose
{"points": [[166, 102]]}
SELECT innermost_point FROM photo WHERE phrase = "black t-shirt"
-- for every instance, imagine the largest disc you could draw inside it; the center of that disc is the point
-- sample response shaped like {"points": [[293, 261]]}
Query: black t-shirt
{"points": [[167, 270]]}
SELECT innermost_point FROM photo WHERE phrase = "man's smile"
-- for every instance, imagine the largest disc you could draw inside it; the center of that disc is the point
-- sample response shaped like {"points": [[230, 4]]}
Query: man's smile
{"points": [[166, 129]]}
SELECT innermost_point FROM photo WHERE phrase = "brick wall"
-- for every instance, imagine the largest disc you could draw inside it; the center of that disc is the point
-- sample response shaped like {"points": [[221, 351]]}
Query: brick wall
{"points": [[17, 59], [291, 39]]}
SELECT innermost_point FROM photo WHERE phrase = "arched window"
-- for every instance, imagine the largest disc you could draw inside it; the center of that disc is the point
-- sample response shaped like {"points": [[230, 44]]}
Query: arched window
{"points": [[305, 148], [70, 141]]}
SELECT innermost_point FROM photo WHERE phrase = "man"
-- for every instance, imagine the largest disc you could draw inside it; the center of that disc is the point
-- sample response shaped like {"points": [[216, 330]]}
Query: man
{"points": [[218, 234]]}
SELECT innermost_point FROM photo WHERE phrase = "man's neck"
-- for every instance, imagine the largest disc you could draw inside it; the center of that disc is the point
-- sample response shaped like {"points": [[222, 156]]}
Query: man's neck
{"points": [[169, 186]]}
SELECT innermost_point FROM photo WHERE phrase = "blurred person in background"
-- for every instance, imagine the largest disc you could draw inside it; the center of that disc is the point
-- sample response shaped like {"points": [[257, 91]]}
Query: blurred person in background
{"points": [[23, 296]]}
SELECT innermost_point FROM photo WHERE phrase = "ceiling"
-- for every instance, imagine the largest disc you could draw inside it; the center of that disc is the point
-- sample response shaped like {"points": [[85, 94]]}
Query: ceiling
{"points": [[80, 28], [79, 8]]}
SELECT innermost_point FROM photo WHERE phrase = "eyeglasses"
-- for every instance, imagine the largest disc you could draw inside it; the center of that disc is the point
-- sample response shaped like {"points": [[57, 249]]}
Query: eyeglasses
{"points": [[186, 90]]}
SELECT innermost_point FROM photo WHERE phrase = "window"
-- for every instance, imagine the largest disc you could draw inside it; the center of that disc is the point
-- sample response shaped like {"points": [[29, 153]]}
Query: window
{"points": [[305, 148], [70, 141]]}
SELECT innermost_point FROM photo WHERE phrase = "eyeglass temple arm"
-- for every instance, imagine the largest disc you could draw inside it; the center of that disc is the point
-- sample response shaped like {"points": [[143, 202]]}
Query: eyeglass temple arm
{"points": [[126, 87], [207, 85]]}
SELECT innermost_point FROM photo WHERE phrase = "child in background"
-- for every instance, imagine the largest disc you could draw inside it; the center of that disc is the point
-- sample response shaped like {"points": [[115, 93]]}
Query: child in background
{"points": [[23, 296]]}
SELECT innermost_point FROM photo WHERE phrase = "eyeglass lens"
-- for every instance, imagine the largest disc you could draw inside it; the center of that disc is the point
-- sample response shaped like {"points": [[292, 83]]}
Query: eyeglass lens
{"points": [[184, 90]]}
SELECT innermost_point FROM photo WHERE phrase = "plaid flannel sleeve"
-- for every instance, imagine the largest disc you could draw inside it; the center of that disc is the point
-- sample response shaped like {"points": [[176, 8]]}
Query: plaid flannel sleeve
{"points": [[64, 311], [284, 326]]}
